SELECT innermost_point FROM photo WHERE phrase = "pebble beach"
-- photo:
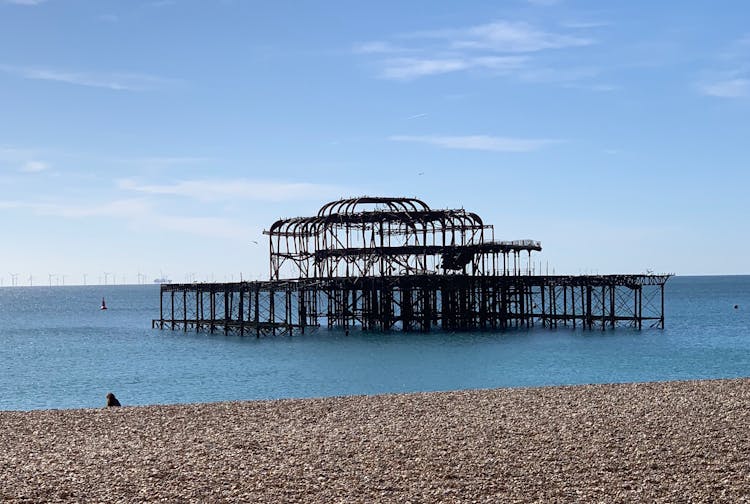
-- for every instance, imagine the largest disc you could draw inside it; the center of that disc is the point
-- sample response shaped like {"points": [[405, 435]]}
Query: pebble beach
{"points": [[648, 442]]}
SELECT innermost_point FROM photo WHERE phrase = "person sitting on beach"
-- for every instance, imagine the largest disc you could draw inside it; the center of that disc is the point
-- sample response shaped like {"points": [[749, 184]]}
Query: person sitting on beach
{"points": [[112, 401]]}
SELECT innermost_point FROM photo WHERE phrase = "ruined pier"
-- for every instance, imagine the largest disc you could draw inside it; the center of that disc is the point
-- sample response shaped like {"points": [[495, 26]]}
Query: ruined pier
{"points": [[382, 264]]}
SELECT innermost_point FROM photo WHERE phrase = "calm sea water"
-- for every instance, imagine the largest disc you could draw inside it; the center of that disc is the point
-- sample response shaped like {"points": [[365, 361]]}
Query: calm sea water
{"points": [[58, 350]]}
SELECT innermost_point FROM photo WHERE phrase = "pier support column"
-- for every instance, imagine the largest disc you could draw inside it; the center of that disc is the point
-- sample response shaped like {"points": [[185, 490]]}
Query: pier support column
{"points": [[241, 311], [256, 291], [573, 304], [172, 314], [661, 317], [161, 307]]}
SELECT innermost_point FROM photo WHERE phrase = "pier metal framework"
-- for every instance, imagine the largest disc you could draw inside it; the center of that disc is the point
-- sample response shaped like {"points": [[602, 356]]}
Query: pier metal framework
{"points": [[380, 237], [396, 264], [416, 303]]}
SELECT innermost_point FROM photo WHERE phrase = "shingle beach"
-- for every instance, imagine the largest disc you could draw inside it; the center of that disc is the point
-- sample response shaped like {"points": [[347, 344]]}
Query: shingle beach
{"points": [[653, 442]]}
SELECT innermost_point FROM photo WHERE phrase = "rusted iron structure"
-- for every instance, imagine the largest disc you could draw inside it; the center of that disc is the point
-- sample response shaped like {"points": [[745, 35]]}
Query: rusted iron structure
{"points": [[383, 237], [396, 264]]}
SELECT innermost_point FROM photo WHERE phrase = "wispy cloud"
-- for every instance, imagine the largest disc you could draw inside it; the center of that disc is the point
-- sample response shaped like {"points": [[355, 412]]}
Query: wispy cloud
{"points": [[501, 47], [731, 78], [165, 161], [730, 88], [508, 36], [25, 2], [138, 213], [499, 36], [22, 160], [118, 208], [584, 25], [233, 189], [14, 154], [378, 47], [34, 167], [113, 81], [736, 52], [412, 68], [478, 142]]}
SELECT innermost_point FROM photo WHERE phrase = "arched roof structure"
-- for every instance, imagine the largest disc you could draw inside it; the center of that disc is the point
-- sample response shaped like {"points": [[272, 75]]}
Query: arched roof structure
{"points": [[378, 236]]}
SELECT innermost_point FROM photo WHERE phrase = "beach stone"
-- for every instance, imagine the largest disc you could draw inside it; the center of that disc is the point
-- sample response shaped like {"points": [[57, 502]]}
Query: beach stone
{"points": [[648, 442]]}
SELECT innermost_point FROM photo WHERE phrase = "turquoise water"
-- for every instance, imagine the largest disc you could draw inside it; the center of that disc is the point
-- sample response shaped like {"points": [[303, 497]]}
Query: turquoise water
{"points": [[58, 350]]}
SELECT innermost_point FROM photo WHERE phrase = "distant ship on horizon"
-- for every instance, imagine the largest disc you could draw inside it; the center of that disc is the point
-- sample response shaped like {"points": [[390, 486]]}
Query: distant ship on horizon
{"points": [[162, 280]]}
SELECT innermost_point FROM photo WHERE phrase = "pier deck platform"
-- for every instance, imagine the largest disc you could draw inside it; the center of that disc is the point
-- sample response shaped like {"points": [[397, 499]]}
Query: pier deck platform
{"points": [[415, 303]]}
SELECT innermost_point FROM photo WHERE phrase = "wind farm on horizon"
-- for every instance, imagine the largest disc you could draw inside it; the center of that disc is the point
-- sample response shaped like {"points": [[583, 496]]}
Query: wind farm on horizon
{"points": [[107, 278]]}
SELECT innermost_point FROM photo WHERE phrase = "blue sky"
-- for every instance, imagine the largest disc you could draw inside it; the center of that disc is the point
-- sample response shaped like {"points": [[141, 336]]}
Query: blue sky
{"points": [[162, 137]]}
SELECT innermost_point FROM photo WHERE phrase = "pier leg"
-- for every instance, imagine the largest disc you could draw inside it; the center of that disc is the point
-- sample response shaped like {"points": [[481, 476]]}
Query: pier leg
{"points": [[661, 316], [242, 311], [172, 317], [226, 309], [553, 307], [504, 307], [272, 312], [288, 309], [198, 307], [212, 309], [301, 316], [640, 306], [257, 311], [573, 304]]}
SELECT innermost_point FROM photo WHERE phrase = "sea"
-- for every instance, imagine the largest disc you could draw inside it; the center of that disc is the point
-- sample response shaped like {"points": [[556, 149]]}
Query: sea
{"points": [[59, 350]]}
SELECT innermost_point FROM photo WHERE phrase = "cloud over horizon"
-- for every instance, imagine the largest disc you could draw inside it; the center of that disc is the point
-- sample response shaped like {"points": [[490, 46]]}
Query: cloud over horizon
{"points": [[139, 213]]}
